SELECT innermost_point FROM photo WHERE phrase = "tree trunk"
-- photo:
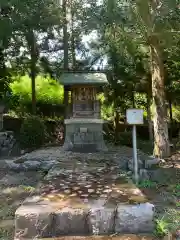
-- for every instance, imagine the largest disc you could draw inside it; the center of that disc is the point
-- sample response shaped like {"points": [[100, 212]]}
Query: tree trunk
{"points": [[150, 125], [73, 48], [66, 52], [31, 40], [73, 51], [116, 125], [171, 119], [161, 139], [65, 34], [33, 87], [3, 73]]}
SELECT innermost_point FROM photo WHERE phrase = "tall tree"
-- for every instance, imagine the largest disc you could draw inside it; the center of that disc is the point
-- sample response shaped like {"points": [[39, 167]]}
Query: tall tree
{"points": [[6, 26], [150, 24], [65, 35], [153, 15], [33, 19], [34, 55], [66, 50]]}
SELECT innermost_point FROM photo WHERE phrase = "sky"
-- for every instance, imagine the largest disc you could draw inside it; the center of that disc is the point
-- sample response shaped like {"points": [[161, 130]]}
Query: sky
{"points": [[86, 39]]}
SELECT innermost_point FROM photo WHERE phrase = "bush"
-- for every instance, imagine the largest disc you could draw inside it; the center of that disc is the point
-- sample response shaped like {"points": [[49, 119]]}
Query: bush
{"points": [[32, 133], [48, 92]]}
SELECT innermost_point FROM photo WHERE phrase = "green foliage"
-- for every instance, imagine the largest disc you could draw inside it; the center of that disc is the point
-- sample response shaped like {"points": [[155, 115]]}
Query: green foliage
{"points": [[32, 132], [176, 190], [106, 109], [147, 184], [107, 112], [48, 92], [169, 222], [176, 113], [161, 228]]}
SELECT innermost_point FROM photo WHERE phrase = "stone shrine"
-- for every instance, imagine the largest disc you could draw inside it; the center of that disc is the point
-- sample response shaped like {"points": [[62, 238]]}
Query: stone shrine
{"points": [[84, 126]]}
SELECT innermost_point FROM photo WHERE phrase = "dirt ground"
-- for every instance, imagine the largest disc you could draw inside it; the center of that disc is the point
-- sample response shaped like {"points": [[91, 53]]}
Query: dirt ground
{"points": [[163, 190]]}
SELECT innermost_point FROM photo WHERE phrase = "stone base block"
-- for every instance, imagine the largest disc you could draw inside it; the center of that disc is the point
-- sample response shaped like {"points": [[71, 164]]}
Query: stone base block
{"points": [[69, 221], [101, 220], [33, 221], [84, 135], [134, 218]]}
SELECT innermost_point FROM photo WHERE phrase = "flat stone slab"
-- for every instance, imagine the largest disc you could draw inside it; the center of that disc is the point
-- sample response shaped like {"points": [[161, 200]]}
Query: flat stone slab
{"points": [[80, 198]]}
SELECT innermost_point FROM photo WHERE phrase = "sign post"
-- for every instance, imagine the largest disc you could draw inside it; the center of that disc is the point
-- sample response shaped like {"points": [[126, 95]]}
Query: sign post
{"points": [[135, 117]]}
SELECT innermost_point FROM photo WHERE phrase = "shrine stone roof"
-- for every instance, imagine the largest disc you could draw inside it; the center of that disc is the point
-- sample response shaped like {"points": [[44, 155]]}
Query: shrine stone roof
{"points": [[69, 79]]}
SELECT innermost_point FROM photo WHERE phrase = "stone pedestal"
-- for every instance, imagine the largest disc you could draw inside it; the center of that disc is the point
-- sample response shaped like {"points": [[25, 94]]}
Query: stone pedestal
{"points": [[84, 135]]}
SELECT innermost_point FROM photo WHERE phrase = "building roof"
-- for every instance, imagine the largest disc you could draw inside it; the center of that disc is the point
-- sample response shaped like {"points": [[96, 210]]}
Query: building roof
{"points": [[68, 79]]}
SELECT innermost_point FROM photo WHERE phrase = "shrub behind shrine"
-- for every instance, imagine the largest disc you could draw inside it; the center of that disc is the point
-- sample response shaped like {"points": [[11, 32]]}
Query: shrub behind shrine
{"points": [[32, 132]]}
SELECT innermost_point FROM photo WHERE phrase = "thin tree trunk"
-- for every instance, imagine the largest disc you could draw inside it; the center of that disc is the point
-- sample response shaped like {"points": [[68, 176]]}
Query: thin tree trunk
{"points": [[31, 40], [161, 138], [3, 73], [171, 119], [66, 52], [33, 86], [116, 125], [65, 34], [149, 117], [73, 49]]}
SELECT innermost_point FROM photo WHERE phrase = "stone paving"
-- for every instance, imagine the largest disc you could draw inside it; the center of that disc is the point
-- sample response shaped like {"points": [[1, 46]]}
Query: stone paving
{"points": [[44, 159], [84, 194]]}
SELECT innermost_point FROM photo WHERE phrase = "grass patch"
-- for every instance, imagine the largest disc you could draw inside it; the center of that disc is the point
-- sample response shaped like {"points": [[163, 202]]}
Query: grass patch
{"points": [[168, 223], [10, 200], [176, 190], [147, 184], [7, 234]]}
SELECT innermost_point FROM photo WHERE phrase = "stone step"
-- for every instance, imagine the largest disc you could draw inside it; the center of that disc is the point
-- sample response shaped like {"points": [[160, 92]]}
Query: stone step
{"points": [[119, 237], [47, 219]]}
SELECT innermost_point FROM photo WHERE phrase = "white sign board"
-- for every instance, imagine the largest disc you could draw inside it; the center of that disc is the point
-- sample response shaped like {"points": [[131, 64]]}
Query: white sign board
{"points": [[134, 116]]}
